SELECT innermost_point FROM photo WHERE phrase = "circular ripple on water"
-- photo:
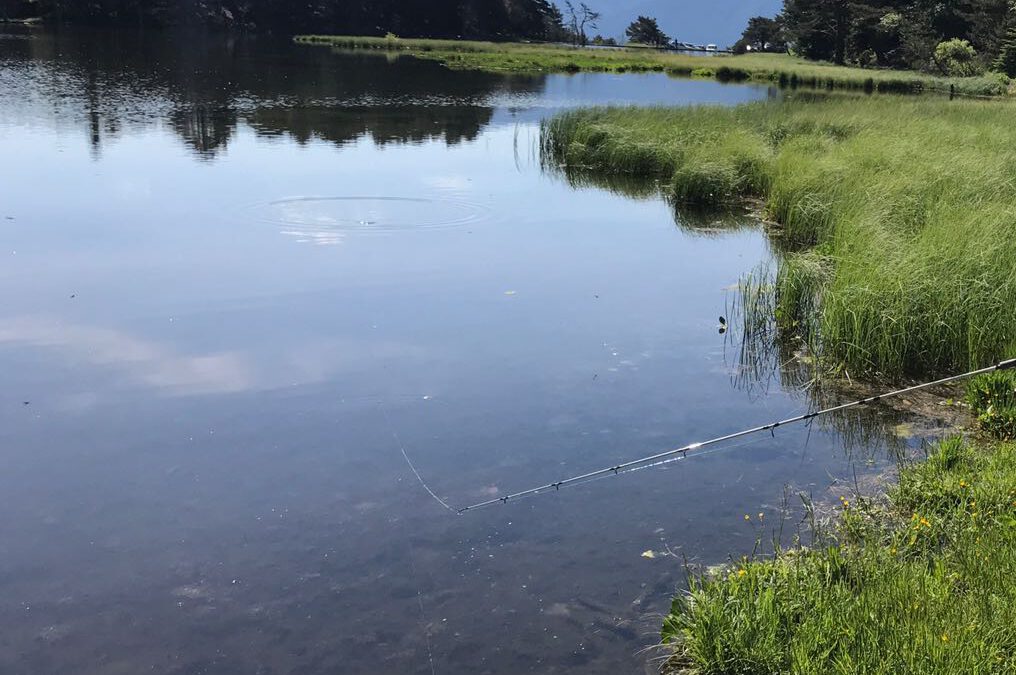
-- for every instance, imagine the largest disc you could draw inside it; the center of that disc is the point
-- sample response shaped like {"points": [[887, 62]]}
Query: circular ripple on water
{"points": [[327, 220]]}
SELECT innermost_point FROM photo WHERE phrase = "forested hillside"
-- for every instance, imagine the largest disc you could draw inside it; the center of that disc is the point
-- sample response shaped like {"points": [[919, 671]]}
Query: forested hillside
{"points": [[410, 18]]}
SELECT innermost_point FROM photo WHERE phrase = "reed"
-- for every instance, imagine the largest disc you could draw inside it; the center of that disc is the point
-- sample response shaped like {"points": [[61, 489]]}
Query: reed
{"points": [[896, 216], [992, 398], [781, 69]]}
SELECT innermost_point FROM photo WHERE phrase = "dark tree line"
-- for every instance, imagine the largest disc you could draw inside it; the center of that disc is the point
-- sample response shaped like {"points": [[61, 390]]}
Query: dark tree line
{"points": [[950, 36], [538, 19]]}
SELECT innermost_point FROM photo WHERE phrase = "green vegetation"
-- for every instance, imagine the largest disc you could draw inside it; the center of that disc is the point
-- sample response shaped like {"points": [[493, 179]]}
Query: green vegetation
{"points": [[1006, 61], [889, 33], [920, 584], [895, 216], [781, 69], [993, 400]]}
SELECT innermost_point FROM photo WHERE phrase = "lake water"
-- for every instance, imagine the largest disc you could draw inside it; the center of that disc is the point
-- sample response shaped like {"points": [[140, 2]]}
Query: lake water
{"points": [[241, 277]]}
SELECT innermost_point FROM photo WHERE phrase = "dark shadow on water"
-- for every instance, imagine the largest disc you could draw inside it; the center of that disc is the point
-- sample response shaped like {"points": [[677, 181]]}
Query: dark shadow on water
{"points": [[689, 218]]}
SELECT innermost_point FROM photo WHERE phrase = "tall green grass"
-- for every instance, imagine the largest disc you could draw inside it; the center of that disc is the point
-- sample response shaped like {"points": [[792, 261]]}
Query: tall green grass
{"points": [[897, 217], [992, 398], [924, 585], [781, 69]]}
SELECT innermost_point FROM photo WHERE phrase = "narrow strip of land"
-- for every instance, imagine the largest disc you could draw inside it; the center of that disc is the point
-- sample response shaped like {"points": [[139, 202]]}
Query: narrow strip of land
{"points": [[781, 69]]}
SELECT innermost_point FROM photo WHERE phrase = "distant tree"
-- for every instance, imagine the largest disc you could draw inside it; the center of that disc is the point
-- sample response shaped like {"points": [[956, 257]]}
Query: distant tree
{"points": [[553, 24], [601, 41], [889, 33], [580, 18], [762, 35], [987, 22], [956, 58], [818, 29], [1006, 61], [645, 30]]}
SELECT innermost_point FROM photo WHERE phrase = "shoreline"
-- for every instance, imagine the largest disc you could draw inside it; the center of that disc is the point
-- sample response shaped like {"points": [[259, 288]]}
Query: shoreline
{"points": [[780, 69]]}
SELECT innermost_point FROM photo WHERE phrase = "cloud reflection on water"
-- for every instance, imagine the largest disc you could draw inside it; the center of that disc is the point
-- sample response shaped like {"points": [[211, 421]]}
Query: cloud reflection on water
{"points": [[150, 363]]}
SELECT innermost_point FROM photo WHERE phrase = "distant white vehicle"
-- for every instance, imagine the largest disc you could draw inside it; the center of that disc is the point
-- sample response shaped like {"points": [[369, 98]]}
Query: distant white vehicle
{"points": [[710, 48]]}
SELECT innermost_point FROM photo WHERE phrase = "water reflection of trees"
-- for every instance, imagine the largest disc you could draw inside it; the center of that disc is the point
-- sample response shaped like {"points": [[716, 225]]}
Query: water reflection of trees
{"points": [[205, 86]]}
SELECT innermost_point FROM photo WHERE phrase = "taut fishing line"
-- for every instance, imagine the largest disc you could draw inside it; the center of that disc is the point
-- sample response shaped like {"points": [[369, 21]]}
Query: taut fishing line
{"points": [[692, 449]]}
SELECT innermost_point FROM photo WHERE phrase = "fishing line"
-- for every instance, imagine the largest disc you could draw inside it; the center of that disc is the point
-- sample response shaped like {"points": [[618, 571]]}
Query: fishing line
{"points": [[669, 460], [694, 448], [423, 613], [405, 454]]}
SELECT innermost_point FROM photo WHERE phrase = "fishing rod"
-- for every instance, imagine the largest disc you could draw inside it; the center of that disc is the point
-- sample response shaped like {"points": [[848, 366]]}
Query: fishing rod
{"points": [[691, 448]]}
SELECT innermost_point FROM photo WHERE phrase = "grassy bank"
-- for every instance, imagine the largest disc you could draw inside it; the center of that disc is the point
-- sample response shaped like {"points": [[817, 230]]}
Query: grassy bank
{"points": [[919, 583], [781, 69], [896, 216]]}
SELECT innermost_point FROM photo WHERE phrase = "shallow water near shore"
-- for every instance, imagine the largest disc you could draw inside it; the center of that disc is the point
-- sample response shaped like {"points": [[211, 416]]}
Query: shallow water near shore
{"points": [[242, 277]]}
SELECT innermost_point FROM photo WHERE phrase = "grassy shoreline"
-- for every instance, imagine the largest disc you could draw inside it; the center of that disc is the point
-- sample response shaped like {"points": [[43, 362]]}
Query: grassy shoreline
{"points": [[780, 69], [918, 583], [894, 216], [893, 225]]}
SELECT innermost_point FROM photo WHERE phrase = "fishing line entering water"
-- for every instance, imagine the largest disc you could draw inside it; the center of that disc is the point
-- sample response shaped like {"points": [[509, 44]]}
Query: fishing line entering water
{"points": [[423, 612], [405, 455], [684, 452], [696, 448]]}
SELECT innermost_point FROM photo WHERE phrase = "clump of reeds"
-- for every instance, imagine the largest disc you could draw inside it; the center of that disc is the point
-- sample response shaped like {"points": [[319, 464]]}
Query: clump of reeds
{"points": [[992, 398]]}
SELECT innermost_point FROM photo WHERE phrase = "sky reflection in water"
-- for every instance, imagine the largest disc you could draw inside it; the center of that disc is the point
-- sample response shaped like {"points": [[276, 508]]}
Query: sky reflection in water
{"points": [[233, 272]]}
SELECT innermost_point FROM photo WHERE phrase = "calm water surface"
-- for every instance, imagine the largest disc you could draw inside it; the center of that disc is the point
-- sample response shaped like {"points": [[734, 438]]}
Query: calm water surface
{"points": [[237, 276]]}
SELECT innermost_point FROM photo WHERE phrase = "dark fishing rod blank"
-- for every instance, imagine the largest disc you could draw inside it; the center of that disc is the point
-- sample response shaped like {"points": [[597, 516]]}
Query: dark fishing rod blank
{"points": [[686, 450]]}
